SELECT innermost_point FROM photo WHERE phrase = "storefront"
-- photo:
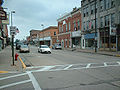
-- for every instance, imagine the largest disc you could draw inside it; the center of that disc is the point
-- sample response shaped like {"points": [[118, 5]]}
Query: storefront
{"points": [[89, 40]]}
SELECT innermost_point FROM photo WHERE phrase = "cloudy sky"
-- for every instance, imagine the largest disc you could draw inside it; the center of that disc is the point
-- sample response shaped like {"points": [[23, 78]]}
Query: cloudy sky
{"points": [[30, 14]]}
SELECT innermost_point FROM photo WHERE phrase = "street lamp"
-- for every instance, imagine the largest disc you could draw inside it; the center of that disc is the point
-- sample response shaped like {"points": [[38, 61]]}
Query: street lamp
{"points": [[12, 38], [95, 30], [43, 32]]}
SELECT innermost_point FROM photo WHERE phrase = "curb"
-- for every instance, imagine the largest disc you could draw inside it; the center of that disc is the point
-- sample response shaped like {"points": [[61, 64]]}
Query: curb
{"points": [[3, 71], [23, 64]]}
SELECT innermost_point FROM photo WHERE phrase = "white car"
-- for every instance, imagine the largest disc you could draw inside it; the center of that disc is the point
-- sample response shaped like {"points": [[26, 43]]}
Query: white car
{"points": [[44, 49]]}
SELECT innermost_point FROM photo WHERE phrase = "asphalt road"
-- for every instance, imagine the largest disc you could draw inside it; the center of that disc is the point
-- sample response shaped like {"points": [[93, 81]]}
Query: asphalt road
{"points": [[64, 70]]}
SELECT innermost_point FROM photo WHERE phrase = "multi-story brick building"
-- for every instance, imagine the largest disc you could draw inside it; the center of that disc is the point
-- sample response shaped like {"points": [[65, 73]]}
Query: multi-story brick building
{"points": [[46, 36], [107, 17], [69, 25]]}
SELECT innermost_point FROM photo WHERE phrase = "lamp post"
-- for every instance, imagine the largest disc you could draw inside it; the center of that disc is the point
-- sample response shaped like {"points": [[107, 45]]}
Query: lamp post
{"points": [[12, 39], [43, 32], [95, 30]]}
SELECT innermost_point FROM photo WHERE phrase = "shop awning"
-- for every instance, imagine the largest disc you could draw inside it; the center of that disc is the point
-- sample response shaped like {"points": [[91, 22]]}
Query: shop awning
{"points": [[89, 36]]}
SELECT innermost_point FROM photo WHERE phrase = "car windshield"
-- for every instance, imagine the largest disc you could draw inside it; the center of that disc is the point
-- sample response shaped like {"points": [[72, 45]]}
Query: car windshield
{"points": [[24, 46], [45, 46]]}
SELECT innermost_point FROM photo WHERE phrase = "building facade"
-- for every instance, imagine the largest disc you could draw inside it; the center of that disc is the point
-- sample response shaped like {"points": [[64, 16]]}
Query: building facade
{"points": [[69, 29], [47, 36], [101, 24]]}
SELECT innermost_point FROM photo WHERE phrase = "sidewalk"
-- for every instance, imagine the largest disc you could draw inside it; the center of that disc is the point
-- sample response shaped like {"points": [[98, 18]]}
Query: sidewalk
{"points": [[6, 61], [108, 53]]}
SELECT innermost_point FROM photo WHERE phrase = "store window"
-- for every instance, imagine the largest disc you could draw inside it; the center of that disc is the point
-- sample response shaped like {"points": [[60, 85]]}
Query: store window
{"points": [[54, 33], [101, 22], [107, 20]]}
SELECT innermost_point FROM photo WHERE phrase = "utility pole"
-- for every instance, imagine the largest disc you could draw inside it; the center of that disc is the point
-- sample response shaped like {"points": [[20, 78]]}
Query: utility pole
{"points": [[95, 30], [12, 39]]}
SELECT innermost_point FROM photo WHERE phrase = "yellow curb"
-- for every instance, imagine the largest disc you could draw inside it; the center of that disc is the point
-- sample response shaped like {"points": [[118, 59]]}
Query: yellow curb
{"points": [[3, 71], [24, 66], [118, 55]]}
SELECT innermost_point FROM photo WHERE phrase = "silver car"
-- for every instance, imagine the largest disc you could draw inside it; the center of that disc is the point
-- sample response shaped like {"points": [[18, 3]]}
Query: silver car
{"points": [[44, 49], [24, 48]]}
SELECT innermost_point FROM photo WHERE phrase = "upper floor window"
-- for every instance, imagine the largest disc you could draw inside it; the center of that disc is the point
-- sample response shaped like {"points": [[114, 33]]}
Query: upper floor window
{"points": [[112, 19], [87, 25], [87, 11], [84, 12], [74, 25], [59, 28], [84, 26], [66, 27], [101, 22], [101, 5], [113, 3], [92, 8], [78, 24], [69, 26], [107, 20], [107, 4], [54, 33]]}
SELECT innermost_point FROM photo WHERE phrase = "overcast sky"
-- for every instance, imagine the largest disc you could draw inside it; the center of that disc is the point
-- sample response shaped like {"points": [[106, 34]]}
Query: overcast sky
{"points": [[30, 14]]}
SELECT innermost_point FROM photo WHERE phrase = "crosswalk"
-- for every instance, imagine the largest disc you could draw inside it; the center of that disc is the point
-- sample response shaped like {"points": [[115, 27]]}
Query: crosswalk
{"points": [[72, 66]]}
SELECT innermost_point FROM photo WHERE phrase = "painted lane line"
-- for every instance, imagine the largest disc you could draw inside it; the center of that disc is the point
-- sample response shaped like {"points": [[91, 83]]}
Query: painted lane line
{"points": [[13, 76], [105, 64], [68, 67], [88, 65], [118, 63], [34, 81], [13, 84]]}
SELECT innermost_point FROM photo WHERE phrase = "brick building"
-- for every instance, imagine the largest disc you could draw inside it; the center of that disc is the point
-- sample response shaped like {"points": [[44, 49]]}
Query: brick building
{"points": [[69, 32], [46, 36]]}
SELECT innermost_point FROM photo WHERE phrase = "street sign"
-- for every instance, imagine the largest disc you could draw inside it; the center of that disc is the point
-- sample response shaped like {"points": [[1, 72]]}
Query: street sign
{"points": [[13, 30]]}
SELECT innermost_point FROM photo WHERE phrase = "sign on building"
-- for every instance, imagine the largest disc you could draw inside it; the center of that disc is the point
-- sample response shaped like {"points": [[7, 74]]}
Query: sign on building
{"points": [[113, 30]]}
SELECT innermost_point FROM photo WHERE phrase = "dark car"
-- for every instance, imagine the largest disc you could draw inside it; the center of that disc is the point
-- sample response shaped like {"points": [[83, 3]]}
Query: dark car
{"points": [[57, 46]]}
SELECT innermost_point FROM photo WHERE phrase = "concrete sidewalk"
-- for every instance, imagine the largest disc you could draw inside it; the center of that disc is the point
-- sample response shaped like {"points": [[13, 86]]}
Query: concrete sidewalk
{"points": [[6, 61], [108, 53]]}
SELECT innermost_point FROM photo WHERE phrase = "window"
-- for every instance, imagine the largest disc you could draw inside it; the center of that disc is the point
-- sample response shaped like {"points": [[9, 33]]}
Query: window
{"points": [[101, 5], [66, 27], [87, 11], [119, 17], [87, 25], [84, 11], [101, 22], [69, 26], [107, 4], [113, 3], [78, 24], [74, 25], [107, 20], [54, 33], [92, 9], [96, 23], [84, 26], [112, 19], [62, 28], [59, 28]]}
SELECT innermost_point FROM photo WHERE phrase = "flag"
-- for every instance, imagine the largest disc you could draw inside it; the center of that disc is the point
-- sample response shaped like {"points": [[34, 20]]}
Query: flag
{"points": [[17, 31]]}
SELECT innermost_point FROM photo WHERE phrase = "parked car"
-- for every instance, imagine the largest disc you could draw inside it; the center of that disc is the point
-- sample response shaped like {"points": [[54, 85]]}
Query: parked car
{"points": [[24, 48], [18, 45], [44, 49], [57, 46]]}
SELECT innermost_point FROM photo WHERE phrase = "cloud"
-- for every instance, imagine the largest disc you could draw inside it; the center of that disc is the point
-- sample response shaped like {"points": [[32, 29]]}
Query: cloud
{"points": [[30, 14]]}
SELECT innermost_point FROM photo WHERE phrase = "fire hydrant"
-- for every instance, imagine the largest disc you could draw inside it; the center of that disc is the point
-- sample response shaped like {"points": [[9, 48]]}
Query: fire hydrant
{"points": [[16, 56]]}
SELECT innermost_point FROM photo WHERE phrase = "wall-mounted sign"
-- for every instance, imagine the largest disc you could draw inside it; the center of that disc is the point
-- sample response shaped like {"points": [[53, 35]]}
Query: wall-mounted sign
{"points": [[3, 15]]}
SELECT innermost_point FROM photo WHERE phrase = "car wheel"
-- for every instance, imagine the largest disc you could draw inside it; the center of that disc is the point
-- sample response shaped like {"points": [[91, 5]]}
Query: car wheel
{"points": [[49, 52]]}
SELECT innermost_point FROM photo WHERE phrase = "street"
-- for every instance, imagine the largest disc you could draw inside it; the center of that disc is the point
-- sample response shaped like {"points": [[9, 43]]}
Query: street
{"points": [[64, 70]]}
